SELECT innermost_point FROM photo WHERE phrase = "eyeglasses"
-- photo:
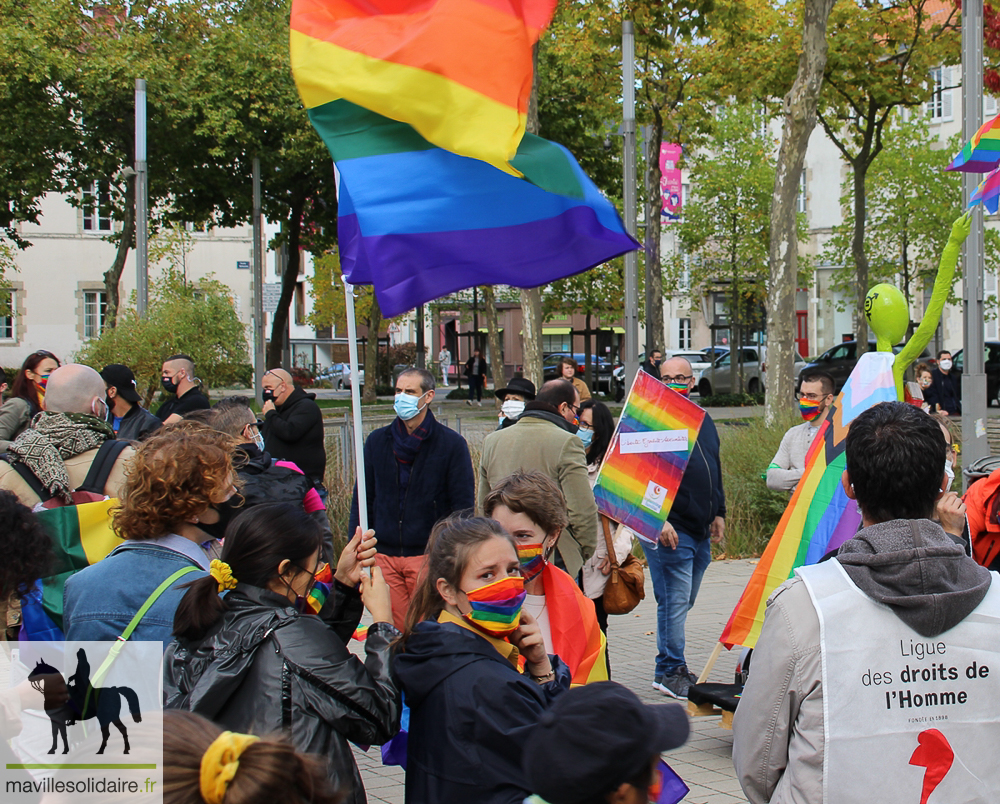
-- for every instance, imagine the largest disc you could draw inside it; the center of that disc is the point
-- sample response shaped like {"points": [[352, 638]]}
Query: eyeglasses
{"points": [[584, 426], [811, 397], [678, 378]]}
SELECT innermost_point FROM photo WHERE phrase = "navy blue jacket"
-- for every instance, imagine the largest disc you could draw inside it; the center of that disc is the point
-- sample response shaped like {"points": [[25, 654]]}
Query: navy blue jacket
{"points": [[470, 714], [441, 482], [946, 391], [700, 498]]}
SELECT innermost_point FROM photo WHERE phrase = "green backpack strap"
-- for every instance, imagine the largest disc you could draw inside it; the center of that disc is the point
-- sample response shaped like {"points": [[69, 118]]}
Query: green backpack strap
{"points": [[121, 640]]}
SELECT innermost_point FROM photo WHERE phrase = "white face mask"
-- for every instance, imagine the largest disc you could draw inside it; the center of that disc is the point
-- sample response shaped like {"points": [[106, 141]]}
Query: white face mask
{"points": [[512, 408], [950, 473], [945, 365]]}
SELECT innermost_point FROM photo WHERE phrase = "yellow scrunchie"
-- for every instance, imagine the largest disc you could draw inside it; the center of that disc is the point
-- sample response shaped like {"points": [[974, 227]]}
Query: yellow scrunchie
{"points": [[223, 574], [221, 761]]}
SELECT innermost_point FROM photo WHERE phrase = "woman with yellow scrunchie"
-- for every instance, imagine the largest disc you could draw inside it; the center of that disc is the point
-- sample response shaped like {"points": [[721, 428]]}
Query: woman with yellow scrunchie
{"points": [[255, 661], [202, 764]]}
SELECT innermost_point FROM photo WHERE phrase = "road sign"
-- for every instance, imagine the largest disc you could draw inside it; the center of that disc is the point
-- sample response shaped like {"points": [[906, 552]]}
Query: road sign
{"points": [[243, 265], [272, 292]]}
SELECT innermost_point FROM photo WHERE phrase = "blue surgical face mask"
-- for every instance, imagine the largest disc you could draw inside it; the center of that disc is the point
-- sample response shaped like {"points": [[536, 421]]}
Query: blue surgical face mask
{"points": [[407, 406], [586, 436]]}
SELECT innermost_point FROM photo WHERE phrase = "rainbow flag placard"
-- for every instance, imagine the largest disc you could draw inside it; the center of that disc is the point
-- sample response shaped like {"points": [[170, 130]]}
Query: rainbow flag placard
{"points": [[458, 71], [649, 451], [820, 517]]}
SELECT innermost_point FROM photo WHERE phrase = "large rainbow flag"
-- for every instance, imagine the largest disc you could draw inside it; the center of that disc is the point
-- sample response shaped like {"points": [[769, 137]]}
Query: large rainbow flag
{"points": [[820, 517], [419, 216], [577, 639], [458, 71], [649, 451], [81, 535], [982, 153]]}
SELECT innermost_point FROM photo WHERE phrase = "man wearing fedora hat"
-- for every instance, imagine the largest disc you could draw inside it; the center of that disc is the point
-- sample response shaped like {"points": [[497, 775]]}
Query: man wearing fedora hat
{"points": [[513, 397], [129, 420]]}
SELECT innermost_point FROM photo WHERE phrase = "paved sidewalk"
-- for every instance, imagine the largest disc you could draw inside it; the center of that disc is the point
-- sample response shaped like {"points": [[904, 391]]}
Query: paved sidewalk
{"points": [[705, 762]]}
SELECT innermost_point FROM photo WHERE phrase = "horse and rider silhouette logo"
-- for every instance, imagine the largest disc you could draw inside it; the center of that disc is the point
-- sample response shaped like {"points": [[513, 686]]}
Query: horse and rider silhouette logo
{"points": [[79, 700]]}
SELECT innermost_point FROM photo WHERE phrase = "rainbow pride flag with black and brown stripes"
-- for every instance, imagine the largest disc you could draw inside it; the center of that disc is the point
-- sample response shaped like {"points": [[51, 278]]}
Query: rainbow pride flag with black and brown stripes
{"points": [[436, 193], [649, 452], [820, 517]]}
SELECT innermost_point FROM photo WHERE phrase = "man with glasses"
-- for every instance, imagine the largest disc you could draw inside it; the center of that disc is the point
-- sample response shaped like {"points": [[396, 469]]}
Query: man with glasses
{"points": [[544, 440], [678, 563], [293, 426], [815, 397]]}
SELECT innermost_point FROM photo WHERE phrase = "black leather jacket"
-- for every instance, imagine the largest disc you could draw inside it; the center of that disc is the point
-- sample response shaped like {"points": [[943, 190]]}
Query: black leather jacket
{"points": [[137, 424], [266, 668]]}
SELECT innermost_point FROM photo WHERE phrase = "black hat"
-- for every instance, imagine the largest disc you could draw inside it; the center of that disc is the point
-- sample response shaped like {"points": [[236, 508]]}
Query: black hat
{"points": [[122, 380], [594, 738], [518, 385]]}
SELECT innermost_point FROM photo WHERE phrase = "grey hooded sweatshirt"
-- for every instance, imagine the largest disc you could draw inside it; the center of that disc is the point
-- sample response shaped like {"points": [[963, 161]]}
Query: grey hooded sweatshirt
{"points": [[913, 567]]}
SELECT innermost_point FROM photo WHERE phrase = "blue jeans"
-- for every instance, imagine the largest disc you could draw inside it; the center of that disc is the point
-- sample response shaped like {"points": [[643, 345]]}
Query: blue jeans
{"points": [[676, 578]]}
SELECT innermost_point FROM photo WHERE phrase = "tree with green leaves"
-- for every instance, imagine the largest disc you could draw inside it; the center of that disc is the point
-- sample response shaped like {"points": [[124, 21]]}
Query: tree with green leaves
{"points": [[198, 319], [726, 218], [880, 59]]}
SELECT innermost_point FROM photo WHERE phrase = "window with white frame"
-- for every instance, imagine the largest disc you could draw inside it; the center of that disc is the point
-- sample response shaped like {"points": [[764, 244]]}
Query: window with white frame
{"points": [[939, 107], [97, 207], [800, 205], [683, 333], [7, 330], [989, 106], [95, 308]]}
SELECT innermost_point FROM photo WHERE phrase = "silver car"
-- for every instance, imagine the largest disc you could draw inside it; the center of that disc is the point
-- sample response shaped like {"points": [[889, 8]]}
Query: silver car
{"points": [[718, 378]]}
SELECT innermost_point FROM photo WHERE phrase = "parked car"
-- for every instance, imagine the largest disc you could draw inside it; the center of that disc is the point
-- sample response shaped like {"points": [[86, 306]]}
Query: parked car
{"points": [[347, 376], [601, 367], [334, 374], [992, 369], [840, 360], [720, 380], [698, 360]]}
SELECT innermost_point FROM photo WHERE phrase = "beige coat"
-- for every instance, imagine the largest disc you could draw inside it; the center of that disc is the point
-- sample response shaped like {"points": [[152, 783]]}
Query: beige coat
{"points": [[539, 444], [77, 467]]}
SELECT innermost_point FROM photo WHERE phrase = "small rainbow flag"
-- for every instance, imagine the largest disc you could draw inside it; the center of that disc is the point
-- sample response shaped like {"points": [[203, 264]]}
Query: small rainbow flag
{"points": [[982, 153], [820, 517], [649, 451], [361, 633], [457, 71], [988, 193], [321, 590]]}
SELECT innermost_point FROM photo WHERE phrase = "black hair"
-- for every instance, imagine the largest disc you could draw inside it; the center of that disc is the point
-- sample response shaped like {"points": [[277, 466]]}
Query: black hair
{"points": [[943, 352], [256, 542], [604, 428], [820, 376], [895, 459], [556, 392], [26, 547], [180, 356]]}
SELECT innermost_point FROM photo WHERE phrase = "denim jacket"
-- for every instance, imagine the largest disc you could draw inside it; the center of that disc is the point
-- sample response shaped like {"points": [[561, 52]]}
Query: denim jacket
{"points": [[100, 600]]}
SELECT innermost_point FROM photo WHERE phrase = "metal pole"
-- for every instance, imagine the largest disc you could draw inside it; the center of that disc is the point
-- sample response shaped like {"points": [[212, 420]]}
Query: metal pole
{"points": [[974, 444], [359, 441], [141, 202], [421, 348], [650, 208], [258, 281], [631, 258]]}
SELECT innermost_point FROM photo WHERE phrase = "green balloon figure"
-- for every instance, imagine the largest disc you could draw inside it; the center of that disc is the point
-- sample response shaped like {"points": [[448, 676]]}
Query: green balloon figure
{"points": [[888, 317]]}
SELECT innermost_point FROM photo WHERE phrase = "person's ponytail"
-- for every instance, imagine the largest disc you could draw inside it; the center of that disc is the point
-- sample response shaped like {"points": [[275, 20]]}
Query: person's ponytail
{"points": [[199, 609]]}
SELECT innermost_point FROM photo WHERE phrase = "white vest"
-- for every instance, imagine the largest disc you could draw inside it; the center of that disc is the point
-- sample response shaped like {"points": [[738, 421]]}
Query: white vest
{"points": [[906, 719]]}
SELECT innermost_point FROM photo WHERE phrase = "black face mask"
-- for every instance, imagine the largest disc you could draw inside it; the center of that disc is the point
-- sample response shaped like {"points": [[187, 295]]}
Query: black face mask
{"points": [[267, 395], [169, 385], [228, 511]]}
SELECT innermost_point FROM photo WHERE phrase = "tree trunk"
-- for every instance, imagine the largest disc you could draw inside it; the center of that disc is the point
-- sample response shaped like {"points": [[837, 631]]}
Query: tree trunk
{"points": [[783, 253], [531, 334], [112, 277], [588, 362], [858, 252], [371, 352], [279, 324], [493, 338], [655, 330]]}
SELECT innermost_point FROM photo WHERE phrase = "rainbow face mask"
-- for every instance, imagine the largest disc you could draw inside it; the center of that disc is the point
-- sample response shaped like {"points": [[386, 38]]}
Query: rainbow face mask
{"points": [[680, 387], [496, 607], [809, 409], [532, 558]]}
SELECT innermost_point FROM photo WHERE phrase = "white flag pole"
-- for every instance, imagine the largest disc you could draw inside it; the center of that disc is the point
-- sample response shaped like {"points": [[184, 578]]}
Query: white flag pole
{"points": [[359, 455]]}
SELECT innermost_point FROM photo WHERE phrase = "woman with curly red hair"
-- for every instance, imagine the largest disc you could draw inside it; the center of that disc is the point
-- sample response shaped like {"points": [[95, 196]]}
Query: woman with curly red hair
{"points": [[169, 512]]}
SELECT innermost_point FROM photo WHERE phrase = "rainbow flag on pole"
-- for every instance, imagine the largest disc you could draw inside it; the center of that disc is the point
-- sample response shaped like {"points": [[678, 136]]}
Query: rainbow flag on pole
{"points": [[431, 193], [987, 193], [820, 517], [649, 451], [982, 153], [458, 71]]}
